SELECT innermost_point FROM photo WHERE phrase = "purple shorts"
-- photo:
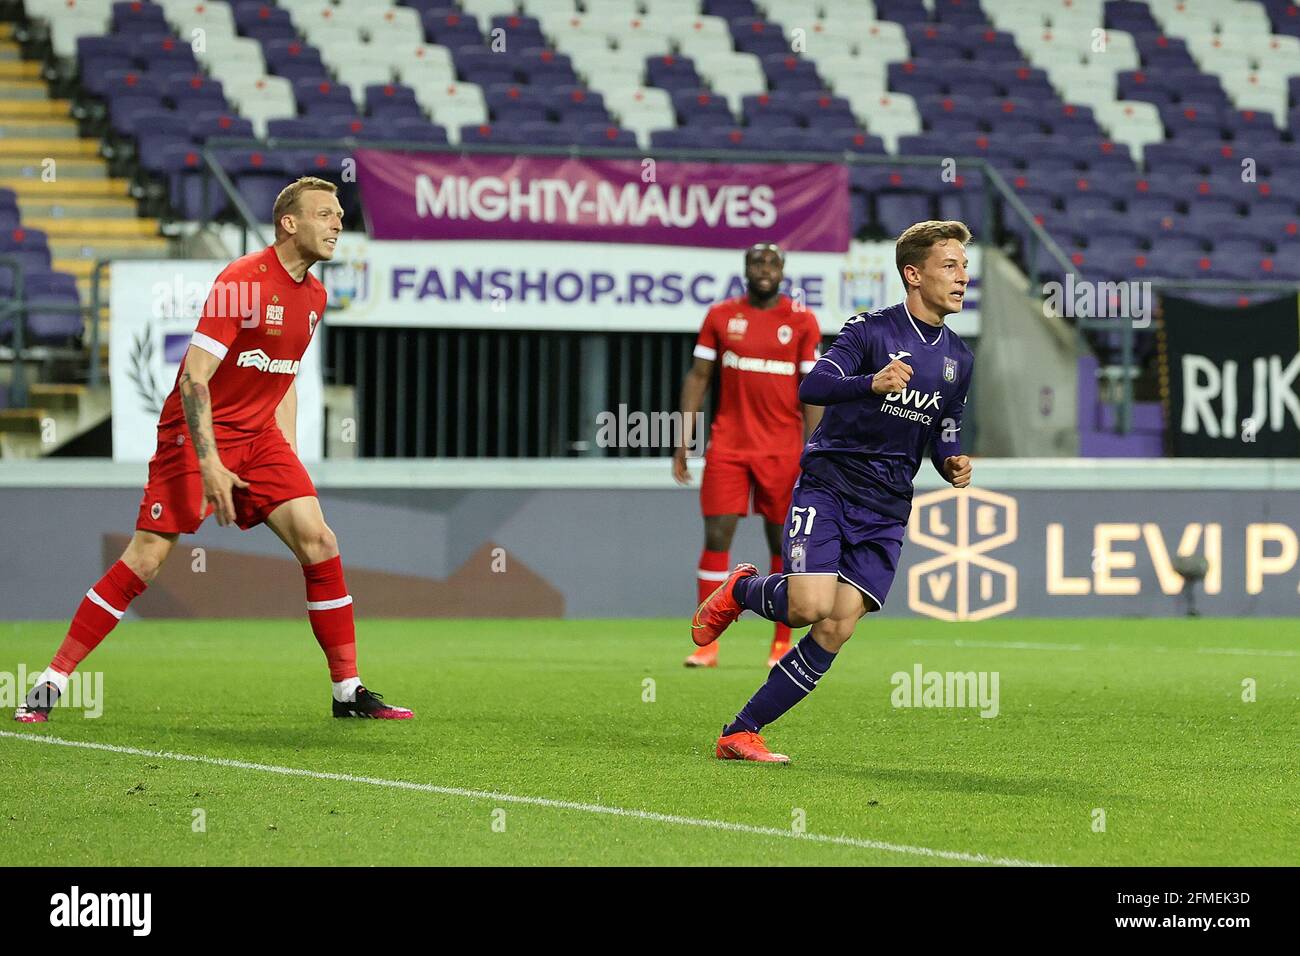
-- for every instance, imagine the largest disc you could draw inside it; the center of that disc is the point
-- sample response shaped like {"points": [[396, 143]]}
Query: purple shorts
{"points": [[824, 534]]}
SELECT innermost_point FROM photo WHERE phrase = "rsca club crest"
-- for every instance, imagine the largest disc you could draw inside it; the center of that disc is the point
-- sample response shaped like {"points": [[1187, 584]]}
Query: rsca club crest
{"points": [[949, 369], [347, 281]]}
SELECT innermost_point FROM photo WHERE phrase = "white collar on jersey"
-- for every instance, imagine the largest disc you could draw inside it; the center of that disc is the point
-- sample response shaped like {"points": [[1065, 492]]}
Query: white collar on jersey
{"points": [[917, 328]]}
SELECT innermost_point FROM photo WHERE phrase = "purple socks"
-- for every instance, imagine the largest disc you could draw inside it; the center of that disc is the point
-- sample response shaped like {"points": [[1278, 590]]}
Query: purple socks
{"points": [[790, 681], [765, 595]]}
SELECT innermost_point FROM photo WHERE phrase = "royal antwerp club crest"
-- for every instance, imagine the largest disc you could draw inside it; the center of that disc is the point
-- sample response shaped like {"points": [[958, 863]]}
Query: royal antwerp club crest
{"points": [[784, 334], [311, 322], [949, 369]]}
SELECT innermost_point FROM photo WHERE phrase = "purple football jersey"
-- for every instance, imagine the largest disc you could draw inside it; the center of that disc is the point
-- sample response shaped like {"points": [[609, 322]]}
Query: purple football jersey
{"points": [[869, 447]]}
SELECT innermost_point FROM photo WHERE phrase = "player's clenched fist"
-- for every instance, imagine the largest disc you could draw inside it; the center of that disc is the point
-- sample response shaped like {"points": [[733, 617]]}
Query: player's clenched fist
{"points": [[891, 378], [957, 469]]}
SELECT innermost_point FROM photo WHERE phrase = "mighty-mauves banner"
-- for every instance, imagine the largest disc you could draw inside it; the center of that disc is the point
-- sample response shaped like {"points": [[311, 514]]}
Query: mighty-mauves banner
{"points": [[802, 206], [1233, 378], [155, 307]]}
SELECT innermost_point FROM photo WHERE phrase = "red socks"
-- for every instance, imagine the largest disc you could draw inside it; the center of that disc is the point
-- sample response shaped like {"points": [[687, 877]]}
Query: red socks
{"points": [[782, 634], [713, 570], [329, 607], [100, 610]]}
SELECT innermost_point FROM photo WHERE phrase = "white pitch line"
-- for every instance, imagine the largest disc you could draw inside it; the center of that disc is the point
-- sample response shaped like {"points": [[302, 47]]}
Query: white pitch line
{"points": [[1005, 645], [537, 802], [1030, 646]]}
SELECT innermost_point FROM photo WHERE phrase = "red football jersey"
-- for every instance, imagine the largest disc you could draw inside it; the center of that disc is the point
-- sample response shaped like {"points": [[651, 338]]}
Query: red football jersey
{"points": [[258, 321], [761, 353]]}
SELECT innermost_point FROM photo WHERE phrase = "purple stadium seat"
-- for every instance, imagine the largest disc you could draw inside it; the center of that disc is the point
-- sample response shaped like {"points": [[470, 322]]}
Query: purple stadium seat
{"points": [[582, 108], [759, 37], [512, 103], [1080, 205], [859, 212], [205, 125], [280, 53], [136, 17], [53, 316], [603, 134], [386, 98], [301, 128], [417, 130], [519, 31], [990, 46], [539, 65], [934, 41], [902, 11], [183, 168], [164, 55], [682, 137], [1284, 263], [1160, 52], [1129, 15], [453, 29], [772, 109], [730, 9], [789, 72], [547, 134], [255, 15], [323, 95], [851, 141], [963, 13], [917, 79], [159, 132], [98, 56], [701, 106], [671, 72], [29, 246], [259, 175]]}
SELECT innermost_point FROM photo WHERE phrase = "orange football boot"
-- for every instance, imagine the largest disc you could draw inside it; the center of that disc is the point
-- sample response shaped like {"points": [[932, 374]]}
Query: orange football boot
{"points": [[717, 612], [745, 745], [704, 657]]}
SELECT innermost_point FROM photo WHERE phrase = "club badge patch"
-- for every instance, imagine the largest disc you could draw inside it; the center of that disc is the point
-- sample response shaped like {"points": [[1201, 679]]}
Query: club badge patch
{"points": [[949, 369], [156, 511], [784, 334]]}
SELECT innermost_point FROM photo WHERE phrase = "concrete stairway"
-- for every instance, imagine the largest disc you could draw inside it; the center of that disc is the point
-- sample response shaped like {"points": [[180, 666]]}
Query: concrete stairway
{"points": [[64, 189]]}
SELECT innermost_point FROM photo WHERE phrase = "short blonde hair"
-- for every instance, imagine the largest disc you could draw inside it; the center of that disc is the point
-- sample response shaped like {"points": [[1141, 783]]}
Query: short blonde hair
{"points": [[914, 244], [287, 202]]}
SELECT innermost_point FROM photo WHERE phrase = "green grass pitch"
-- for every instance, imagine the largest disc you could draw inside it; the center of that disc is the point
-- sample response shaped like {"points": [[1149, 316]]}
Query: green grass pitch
{"points": [[1143, 721]]}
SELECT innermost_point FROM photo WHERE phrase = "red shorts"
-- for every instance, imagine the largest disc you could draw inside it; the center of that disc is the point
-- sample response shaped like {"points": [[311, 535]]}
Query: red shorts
{"points": [[173, 499], [727, 483]]}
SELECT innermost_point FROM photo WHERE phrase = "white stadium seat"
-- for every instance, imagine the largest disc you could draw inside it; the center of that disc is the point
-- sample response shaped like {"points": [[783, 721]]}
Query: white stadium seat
{"points": [[821, 39], [421, 73], [395, 25], [215, 19], [792, 13], [233, 58], [485, 10], [734, 76], [453, 106], [853, 72], [672, 10], [884, 40], [606, 70], [1132, 122], [612, 9], [700, 28], [262, 98]]}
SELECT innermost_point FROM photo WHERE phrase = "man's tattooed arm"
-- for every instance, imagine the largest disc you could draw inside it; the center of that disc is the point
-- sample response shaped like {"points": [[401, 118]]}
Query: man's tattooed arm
{"points": [[196, 399]]}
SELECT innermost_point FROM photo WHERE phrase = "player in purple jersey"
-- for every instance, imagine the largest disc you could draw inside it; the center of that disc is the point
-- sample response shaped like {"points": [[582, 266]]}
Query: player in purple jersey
{"points": [[894, 382]]}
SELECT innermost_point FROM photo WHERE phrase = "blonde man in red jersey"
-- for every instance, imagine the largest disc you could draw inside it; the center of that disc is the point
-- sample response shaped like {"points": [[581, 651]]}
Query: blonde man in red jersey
{"points": [[765, 344], [227, 445]]}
